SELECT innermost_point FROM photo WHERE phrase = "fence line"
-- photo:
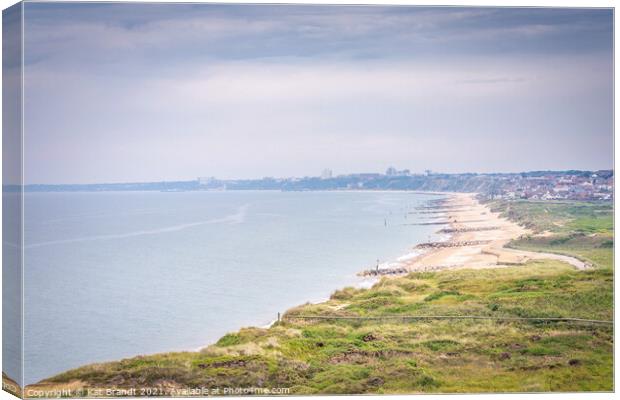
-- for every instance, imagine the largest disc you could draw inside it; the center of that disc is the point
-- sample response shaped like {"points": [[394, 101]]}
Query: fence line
{"points": [[430, 317]]}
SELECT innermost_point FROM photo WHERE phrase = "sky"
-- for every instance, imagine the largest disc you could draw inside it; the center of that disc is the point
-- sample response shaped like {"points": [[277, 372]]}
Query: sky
{"points": [[152, 92]]}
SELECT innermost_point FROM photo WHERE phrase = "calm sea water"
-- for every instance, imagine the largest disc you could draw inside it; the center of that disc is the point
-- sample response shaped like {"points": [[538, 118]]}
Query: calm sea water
{"points": [[116, 274]]}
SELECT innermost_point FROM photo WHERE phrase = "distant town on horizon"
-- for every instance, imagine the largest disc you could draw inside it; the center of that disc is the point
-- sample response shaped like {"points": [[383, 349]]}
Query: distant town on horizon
{"points": [[534, 185]]}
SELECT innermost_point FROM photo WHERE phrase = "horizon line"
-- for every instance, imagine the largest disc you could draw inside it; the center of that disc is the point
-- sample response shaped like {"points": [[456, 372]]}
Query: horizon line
{"points": [[311, 176]]}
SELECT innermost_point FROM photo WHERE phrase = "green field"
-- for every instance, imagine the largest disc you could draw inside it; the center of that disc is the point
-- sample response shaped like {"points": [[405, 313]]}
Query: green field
{"points": [[410, 356]]}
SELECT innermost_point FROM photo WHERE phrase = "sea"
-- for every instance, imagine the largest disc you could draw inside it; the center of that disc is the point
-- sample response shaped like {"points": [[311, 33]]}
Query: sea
{"points": [[112, 275]]}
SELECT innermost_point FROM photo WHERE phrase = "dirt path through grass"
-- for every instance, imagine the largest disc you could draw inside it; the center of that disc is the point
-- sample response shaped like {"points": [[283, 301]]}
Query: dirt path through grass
{"points": [[534, 255]]}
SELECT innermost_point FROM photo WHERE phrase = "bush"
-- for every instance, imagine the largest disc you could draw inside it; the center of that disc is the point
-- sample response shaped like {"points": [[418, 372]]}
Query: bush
{"points": [[230, 339]]}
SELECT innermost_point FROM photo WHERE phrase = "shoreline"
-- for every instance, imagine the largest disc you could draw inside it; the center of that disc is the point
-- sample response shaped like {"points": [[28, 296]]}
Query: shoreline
{"points": [[367, 281], [468, 219], [476, 238], [453, 219]]}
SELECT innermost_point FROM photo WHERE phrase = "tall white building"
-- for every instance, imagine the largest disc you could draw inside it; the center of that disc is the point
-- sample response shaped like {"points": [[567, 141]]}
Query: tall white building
{"points": [[326, 174]]}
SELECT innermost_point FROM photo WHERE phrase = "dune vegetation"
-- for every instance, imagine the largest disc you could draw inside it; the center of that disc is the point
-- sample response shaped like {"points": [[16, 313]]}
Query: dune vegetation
{"points": [[580, 229]]}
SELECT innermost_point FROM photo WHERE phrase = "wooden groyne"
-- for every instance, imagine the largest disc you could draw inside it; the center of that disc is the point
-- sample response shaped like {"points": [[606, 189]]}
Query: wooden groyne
{"points": [[443, 206], [437, 201], [385, 271], [470, 221], [442, 211], [431, 223], [405, 270], [441, 245], [474, 229], [446, 222], [436, 217]]}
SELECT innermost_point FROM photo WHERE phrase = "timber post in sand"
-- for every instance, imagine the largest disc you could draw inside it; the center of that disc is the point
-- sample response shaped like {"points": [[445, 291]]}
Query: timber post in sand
{"points": [[439, 245]]}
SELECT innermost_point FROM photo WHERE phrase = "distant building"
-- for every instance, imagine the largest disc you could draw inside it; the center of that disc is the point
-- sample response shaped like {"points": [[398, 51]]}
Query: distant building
{"points": [[326, 174], [394, 172]]}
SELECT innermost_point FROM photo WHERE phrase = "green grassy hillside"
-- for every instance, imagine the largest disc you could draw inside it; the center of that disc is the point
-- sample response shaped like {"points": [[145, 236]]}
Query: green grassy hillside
{"points": [[580, 229]]}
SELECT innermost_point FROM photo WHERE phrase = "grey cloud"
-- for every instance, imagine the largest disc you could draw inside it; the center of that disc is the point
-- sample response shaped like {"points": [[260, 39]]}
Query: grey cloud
{"points": [[119, 93]]}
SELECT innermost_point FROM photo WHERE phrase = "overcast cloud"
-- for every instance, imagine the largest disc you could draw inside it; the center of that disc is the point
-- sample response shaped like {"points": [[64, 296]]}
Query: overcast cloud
{"points": [[149, 92]]}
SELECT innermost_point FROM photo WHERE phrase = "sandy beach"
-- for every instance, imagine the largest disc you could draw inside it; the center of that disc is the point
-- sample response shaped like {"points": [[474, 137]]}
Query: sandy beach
{"points": [[477, 239]]}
